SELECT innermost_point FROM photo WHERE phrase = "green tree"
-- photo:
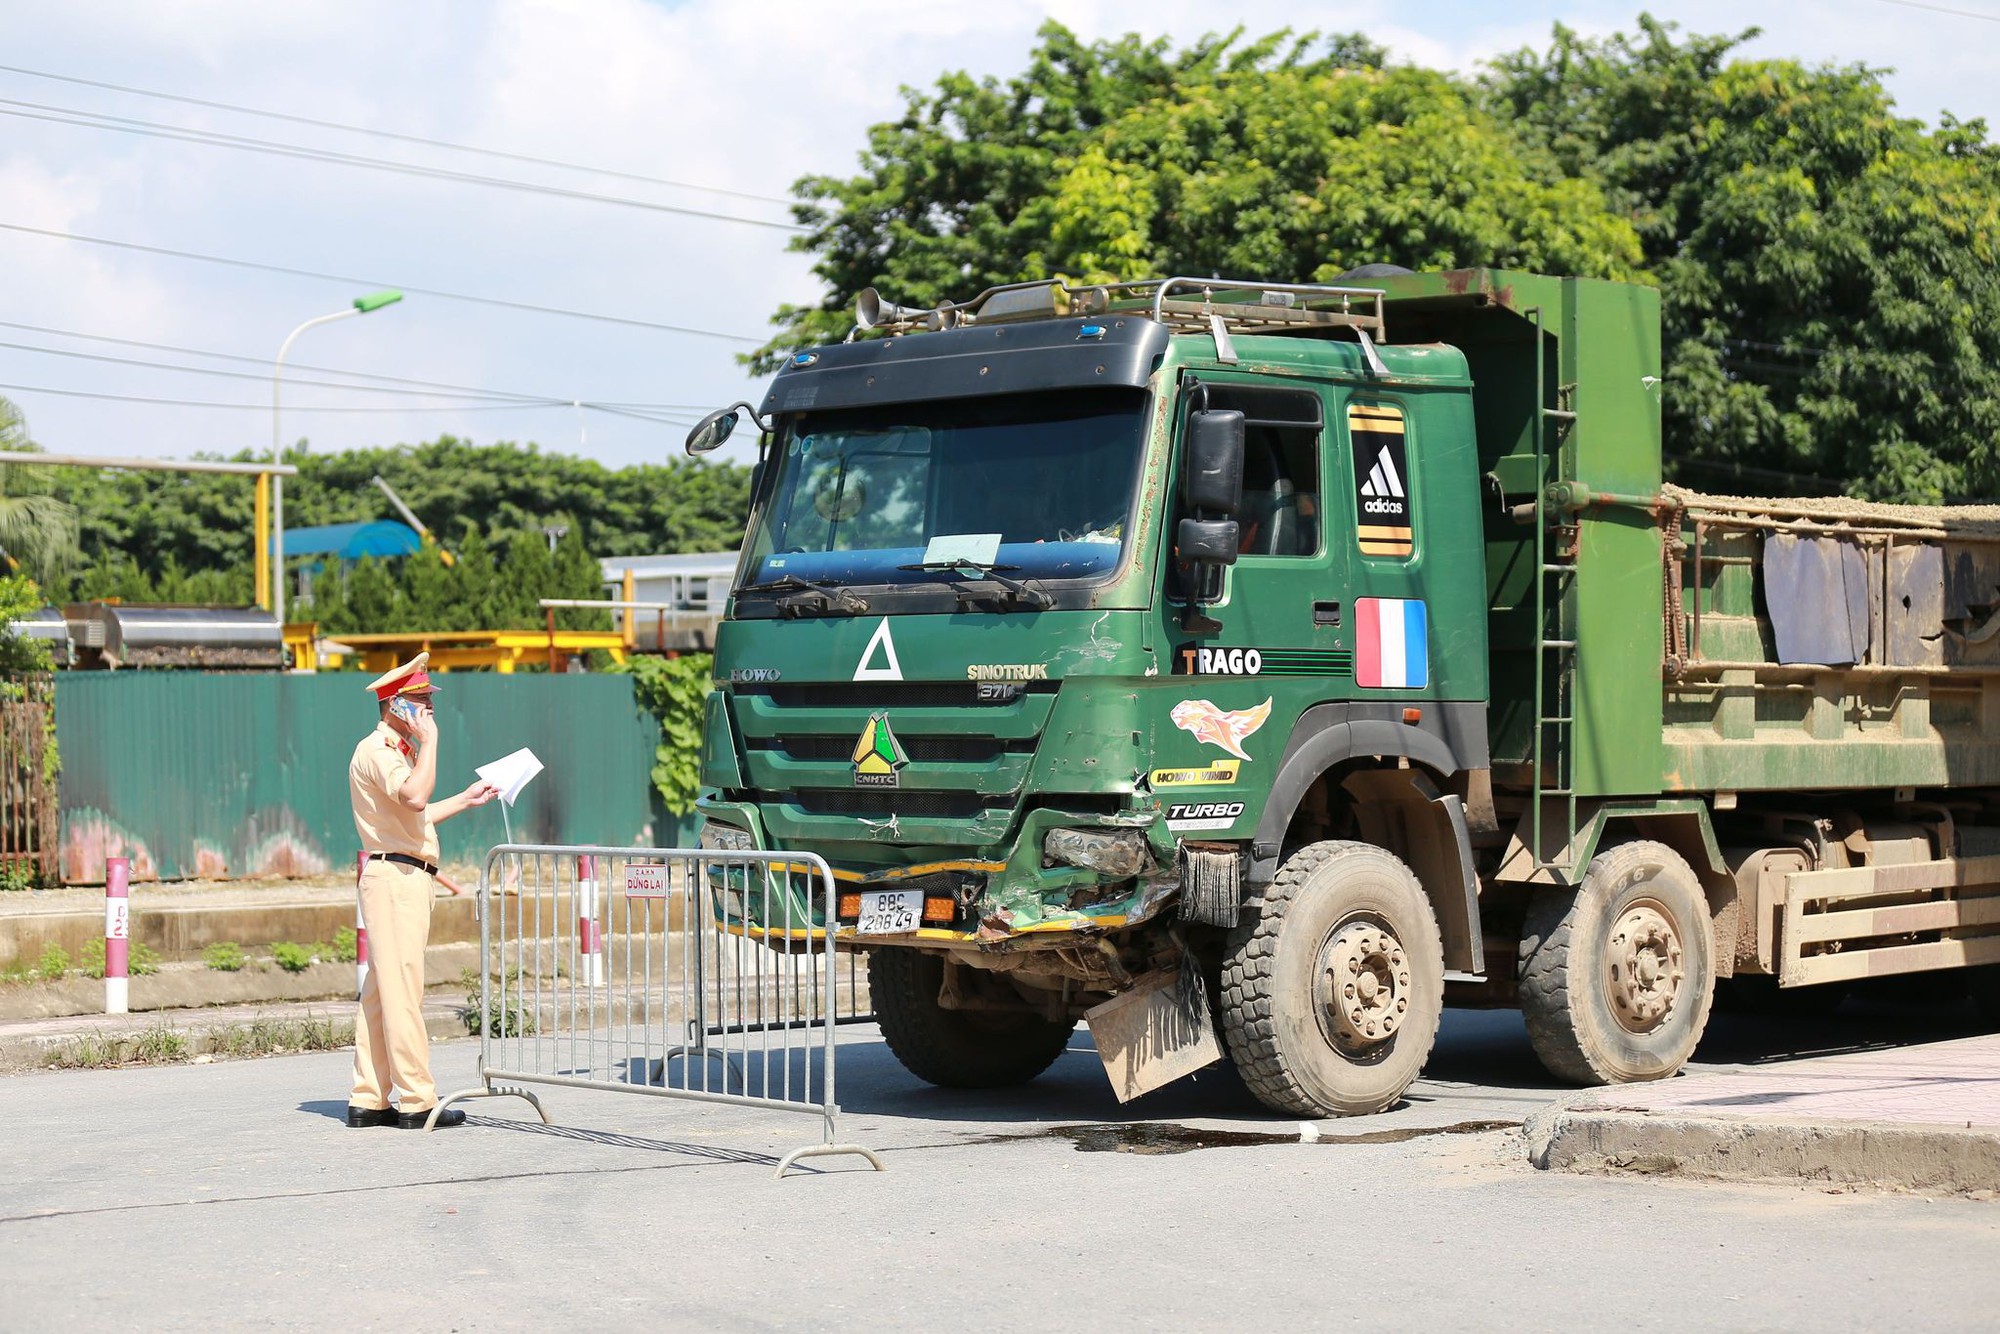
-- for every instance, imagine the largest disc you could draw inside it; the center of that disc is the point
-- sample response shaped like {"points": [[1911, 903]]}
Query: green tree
{"points": [[574, 573], [38, 530], [1829, 271], [525, 575], [1305, 174], [1293, 156], [373, 604], [19, 597], [431, 594], [203, 522]]}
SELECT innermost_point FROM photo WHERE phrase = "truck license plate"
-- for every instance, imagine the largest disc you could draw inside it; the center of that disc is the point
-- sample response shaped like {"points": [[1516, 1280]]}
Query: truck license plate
{"points": [[889, 912]]}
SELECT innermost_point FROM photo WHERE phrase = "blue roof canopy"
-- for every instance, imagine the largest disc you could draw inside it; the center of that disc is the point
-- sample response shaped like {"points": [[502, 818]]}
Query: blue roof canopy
{"points": [[352, 541]]}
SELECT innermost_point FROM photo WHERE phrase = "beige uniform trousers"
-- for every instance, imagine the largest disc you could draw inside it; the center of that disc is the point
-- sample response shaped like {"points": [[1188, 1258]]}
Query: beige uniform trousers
{"points": [[390, 1044]]}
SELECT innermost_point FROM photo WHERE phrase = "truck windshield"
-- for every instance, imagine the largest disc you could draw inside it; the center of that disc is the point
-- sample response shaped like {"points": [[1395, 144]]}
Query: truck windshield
{"points": [[1040, 486]]}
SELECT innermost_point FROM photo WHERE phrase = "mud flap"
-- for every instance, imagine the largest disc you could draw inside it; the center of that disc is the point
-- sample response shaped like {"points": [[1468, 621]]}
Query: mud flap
{"points": [[1155, 1033]]}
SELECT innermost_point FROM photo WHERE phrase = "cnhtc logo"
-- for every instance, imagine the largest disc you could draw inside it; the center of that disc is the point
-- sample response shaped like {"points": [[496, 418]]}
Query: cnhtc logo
{"points": [[878, 756], [1383, 493]]}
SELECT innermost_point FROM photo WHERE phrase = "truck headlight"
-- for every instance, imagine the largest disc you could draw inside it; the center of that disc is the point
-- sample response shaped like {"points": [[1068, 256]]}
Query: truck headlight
{"points": [[718, 837], [1119, 853]]}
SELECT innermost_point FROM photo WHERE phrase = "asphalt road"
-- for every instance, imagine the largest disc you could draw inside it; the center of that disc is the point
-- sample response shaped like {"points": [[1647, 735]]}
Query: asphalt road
{"points": [[231, 1194]]}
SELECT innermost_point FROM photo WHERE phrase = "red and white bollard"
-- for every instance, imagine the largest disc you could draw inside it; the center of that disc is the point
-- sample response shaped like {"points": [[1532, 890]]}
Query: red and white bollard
{"points": [[360, 927], [117, 934], [589, 935]]}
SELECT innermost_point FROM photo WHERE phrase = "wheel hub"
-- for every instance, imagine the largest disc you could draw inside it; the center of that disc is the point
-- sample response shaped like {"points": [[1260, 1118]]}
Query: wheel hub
{"points": [[1365, 984], [1643, 967]]}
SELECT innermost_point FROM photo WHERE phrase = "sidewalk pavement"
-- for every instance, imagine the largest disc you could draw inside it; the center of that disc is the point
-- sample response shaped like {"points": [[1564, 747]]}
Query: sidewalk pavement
{"points": [[1922, 1118]]}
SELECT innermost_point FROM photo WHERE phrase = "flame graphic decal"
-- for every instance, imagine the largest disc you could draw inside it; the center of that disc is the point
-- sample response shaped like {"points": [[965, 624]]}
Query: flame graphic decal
{"points": [[1220, 727]]}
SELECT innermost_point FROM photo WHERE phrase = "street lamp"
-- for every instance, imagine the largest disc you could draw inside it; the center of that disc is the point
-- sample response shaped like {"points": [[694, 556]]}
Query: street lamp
{"points": [[363, 305]]}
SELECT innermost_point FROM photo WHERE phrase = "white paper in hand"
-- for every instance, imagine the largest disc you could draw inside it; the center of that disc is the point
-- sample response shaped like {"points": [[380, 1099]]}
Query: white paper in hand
{"points": [[511, 773]]}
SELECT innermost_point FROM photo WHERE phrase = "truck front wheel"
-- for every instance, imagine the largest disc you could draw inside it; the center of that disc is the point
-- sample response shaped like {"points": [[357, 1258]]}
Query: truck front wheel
{"points": [[956, 1049], [1333, 983], [1617, 974]]}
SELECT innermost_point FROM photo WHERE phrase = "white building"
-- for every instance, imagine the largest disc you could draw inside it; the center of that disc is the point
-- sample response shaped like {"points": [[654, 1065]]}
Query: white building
{"points": [[693, 587]]}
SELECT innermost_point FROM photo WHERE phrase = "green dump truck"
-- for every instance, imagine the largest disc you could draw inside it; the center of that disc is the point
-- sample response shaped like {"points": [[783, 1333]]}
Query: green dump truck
{"points": [[1275, 662]]}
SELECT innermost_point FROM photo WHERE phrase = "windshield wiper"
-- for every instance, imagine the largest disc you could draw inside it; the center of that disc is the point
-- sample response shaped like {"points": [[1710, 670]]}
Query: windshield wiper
{"points": [[810, 597], [1038, 598]]}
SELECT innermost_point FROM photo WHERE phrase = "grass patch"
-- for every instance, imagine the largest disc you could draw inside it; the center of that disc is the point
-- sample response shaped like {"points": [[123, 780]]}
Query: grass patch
{"points": [[225, 956], [141, 959], [345, 948], [87, 1052], [264, 1036], [164, 1044], [160, 1044], [53, 964], [505, 1017], [291, 956]]}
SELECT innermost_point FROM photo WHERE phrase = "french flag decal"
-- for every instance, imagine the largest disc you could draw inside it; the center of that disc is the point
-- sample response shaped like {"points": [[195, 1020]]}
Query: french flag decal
{"points": [[1392, 649]]}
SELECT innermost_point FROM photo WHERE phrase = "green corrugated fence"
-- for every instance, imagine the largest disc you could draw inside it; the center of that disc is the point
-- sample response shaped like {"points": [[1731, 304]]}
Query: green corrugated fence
{"points": [[235, 774]]}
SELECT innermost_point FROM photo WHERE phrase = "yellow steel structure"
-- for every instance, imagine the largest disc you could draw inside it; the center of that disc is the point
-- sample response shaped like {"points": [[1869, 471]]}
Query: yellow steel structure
{"points": [[501, 650], [260, 541], [301, 641]]}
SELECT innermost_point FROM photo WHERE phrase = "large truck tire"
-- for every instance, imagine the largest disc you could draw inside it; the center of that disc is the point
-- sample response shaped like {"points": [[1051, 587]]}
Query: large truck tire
{"points": [[1618, 973], [955, 1049], [1333, 983]]}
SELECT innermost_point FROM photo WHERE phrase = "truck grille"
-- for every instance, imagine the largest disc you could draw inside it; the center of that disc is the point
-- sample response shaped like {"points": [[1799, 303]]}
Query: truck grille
{"points": [[881, 804], [924, 749], [877, 696]]}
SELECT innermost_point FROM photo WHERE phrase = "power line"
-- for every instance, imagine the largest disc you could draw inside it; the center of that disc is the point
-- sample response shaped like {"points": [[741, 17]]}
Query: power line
{"points": [[524, 400], [260, 407], [391, 134], [91, 120], [265, 362], [565, 405], [373, 282], [1940, 9]]}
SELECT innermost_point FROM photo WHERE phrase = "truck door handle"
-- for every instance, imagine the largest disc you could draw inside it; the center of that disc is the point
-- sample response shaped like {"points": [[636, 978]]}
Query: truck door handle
{"points": [[1326, 613]]}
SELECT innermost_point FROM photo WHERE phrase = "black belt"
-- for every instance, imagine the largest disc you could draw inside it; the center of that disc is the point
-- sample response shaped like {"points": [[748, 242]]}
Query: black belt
{"points": [[406, 859]]}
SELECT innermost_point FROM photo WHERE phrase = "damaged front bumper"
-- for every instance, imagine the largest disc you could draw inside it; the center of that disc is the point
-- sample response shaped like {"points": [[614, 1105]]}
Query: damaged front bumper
{"points": [[1068, 872]]}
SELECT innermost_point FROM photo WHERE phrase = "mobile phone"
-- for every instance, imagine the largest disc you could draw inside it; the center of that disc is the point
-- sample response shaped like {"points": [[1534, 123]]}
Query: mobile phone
{"points": [[404, 709]]}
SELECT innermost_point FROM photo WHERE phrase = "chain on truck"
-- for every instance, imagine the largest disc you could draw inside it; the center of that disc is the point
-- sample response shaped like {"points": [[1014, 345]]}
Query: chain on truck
{"points": [[1272, 663]]}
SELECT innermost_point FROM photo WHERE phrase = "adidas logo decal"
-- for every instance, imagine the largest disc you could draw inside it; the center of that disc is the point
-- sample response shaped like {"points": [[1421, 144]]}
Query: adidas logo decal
{"points": [[1382, 478]]}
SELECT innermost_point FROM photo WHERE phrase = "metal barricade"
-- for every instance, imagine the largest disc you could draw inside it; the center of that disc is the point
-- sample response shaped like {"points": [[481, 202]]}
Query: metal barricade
{"points": [[680, 973]]}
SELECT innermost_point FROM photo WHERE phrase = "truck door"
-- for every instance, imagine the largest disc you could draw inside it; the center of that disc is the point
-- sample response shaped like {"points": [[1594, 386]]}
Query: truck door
{"points": [[1284, 610], [1376, 502]]}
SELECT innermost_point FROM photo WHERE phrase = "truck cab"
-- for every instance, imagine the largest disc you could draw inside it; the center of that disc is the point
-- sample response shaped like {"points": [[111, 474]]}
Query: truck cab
{"points": [[1060, 616]]}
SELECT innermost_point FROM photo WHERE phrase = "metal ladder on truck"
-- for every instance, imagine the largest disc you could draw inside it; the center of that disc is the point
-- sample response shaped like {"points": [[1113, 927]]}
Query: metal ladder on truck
{"points": [[1555, 644]]}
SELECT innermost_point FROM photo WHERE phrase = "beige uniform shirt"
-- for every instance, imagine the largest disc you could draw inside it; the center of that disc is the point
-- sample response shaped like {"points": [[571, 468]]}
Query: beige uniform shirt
{"points": [[383, 821]]}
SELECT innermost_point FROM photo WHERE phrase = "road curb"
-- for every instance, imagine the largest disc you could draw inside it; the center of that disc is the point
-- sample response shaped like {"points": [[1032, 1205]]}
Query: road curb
{"points": [[198, 1035], [1580, 1135]]}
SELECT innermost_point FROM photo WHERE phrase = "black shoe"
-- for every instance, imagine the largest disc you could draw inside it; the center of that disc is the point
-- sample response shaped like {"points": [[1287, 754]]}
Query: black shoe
{"points": [[370, 1116], [447, 1118]]}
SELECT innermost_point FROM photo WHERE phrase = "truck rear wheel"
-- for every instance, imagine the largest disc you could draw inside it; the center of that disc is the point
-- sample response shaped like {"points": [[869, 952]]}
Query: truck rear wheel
{"points": [[1617, 974], [1333, 983], [957, 1049]]}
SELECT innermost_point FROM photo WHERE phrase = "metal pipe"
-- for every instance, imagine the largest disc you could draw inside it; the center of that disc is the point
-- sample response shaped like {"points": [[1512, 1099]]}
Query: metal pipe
{"points": [[149, 465]]}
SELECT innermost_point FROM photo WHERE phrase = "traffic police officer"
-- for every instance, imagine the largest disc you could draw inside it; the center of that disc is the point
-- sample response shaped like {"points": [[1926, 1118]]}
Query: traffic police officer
{"points": [[391, 780]]}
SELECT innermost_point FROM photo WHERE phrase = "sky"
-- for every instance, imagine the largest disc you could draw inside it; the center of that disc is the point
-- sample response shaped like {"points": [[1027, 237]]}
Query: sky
{"points": [[606, 325]]}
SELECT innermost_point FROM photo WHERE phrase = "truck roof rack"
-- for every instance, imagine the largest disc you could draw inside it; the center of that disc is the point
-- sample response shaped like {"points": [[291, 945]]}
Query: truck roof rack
{"points": [[1219, 306]]}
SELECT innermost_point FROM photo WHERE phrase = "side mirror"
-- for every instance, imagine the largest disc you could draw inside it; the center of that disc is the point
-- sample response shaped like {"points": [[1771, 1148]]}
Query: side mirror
{"points": [[1215, 462], [1206, 541], [711, 431]]}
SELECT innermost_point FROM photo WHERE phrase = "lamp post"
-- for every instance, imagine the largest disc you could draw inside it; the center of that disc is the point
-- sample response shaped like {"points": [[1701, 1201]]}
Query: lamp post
{"points": [[363, 305]]}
